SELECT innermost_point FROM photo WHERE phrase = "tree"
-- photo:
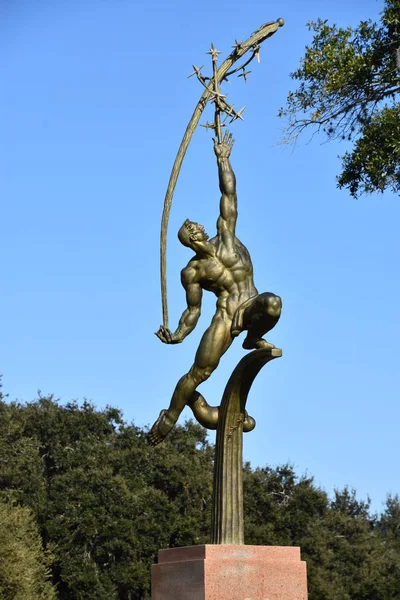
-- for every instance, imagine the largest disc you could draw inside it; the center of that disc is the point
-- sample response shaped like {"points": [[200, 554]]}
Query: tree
{"points": [[389, 528], [346, 554], [103, 498], [24, 565], [349, 89], [105, 502]]}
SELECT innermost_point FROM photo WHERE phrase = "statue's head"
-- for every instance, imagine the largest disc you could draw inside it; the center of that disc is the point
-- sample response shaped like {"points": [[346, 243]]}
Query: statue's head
{"points": [[190, 234]]}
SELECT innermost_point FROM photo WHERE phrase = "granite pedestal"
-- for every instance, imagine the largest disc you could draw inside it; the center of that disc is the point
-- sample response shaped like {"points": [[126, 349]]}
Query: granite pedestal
{"points": [[219, 572]]}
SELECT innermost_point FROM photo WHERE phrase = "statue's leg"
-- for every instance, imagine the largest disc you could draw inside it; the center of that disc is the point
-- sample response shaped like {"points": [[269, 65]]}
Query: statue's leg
{"points": [[207, 415], [259, 318], [214, 343]]}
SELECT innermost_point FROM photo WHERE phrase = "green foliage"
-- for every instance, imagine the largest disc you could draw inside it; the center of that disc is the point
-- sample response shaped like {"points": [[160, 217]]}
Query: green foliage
{"points": [[106, 502], [349, 88], [347, 556], [102, 496], [23, 563]]}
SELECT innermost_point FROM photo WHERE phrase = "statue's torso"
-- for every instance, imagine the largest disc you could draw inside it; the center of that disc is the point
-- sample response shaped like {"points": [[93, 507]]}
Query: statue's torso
{"points": [[228, 274]]}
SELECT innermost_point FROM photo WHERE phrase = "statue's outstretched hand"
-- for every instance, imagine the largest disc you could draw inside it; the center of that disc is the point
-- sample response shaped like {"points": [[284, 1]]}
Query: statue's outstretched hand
{"points": [[165, 335], [223, 149]]}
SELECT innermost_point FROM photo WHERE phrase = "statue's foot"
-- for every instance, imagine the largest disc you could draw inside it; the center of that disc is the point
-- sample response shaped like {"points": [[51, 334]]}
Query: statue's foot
{"points": [[253, 343], [249, 423], [161, 428]]}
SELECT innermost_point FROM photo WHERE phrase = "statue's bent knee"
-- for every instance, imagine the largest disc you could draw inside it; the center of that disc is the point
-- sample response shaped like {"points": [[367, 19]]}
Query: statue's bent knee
{"points": [[201, 374], [263, 314], [273, 305]]}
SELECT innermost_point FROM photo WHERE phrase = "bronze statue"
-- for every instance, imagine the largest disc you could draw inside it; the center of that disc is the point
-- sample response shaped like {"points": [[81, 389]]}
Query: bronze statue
{"points": [[221, 265]]}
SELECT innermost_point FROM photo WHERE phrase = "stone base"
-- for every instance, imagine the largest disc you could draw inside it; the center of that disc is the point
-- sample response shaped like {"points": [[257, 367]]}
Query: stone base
{"points": [[219, 572]]}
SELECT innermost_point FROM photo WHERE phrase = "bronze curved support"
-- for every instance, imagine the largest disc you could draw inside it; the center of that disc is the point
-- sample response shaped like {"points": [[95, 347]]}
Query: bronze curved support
{"points": [[227, 510]]}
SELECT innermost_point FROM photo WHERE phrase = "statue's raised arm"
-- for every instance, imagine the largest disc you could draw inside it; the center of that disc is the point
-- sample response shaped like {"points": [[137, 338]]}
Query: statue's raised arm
{"points": [[227, 184]]}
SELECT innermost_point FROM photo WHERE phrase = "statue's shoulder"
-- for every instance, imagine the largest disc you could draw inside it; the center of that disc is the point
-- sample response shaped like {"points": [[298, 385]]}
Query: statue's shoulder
{"points": [[189, 274]]}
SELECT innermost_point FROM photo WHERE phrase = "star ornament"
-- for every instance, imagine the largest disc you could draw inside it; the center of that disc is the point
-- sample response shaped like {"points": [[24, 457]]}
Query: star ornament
{"points": [[238, 115], [214, 53], [245, 74], [237, 45], [197, 71]]}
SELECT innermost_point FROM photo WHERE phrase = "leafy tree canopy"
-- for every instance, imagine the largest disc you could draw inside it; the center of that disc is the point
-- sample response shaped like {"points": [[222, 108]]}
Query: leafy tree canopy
{"points": [[103, 498], [349, 89], [105, 502], [23, 563]]}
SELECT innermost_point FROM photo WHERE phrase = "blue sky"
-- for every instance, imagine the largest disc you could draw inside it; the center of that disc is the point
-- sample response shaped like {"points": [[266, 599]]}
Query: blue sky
{"points": [[94, 103]]}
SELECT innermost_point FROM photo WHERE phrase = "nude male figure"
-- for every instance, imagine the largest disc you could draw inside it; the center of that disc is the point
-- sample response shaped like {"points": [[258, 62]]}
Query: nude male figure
{"points": [[221, 265]]}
